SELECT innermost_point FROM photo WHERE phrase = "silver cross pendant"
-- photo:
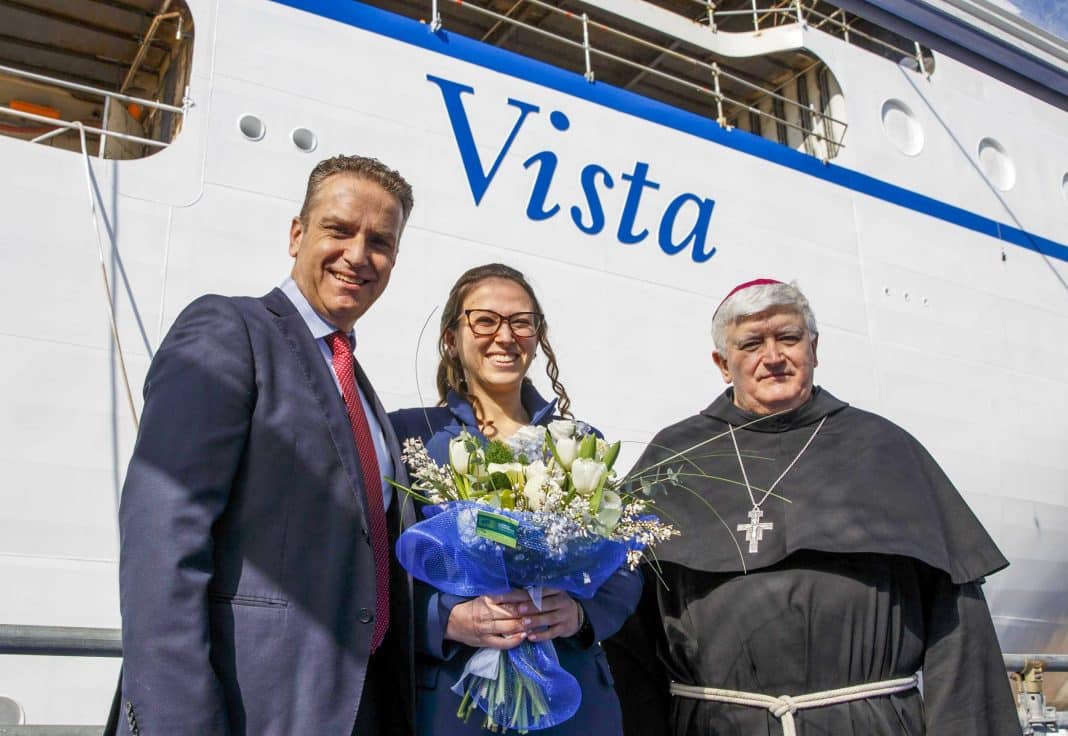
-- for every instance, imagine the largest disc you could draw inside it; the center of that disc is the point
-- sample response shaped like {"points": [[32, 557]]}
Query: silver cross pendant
{"points": [[754, 530]]}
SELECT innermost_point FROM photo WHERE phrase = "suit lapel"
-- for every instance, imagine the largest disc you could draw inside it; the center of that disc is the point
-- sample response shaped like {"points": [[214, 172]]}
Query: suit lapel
{"points": [[320, 382]]}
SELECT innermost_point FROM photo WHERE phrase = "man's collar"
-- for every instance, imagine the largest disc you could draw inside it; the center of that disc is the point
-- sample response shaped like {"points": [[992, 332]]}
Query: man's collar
{"points": [[318, 326], [819, 405]]}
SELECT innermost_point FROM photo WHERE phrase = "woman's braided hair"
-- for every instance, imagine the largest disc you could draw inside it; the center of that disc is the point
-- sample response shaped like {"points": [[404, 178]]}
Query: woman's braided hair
{"points": [[451, 372]]}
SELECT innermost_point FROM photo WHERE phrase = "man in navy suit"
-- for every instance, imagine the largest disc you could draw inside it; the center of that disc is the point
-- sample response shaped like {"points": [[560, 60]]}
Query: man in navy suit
{"points": [[258, 594]]}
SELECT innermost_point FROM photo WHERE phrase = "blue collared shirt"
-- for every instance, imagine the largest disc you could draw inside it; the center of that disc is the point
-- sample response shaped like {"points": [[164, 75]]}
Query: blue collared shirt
{"points": [[320, 330]]}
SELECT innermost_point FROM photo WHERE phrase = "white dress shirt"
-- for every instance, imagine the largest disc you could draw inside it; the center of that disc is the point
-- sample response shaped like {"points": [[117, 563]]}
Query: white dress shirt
{"points": [[320, 330]]}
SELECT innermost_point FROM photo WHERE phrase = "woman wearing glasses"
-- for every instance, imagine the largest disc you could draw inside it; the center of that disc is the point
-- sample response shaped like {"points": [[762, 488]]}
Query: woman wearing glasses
{"points": [[491, 327]]}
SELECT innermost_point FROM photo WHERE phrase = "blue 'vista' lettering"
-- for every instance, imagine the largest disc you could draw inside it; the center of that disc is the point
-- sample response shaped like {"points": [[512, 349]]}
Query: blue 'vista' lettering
{"points": [[698, 232], [547, 167], [638, 182], [477, 178], [593, 199], [684, 209]]}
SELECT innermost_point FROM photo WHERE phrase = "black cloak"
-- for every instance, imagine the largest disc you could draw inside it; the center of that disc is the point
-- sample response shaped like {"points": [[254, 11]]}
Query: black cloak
{"points": [[870, 572]]}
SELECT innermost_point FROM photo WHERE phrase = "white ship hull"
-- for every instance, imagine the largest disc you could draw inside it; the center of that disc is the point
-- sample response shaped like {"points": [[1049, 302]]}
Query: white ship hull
{"points": [[942, 300]]}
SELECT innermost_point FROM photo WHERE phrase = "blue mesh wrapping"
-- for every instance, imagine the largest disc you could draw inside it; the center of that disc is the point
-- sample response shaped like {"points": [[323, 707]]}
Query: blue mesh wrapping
{"points": [[531, 691], [444, 551]]}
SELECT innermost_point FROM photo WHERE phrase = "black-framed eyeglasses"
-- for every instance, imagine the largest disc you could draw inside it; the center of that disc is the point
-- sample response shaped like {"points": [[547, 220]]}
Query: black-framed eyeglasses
{"points": [[486, 322]]}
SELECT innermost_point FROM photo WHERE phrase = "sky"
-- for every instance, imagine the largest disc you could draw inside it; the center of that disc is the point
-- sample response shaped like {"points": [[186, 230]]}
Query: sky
{"points": [[1051, 15]]}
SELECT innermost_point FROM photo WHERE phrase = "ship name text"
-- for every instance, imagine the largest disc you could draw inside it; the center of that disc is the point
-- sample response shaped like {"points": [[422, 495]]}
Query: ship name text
{"points": [[684, 222]]}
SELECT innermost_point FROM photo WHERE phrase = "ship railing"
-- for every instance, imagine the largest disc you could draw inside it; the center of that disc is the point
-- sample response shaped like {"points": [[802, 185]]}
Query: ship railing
{"points": [[56, 641], [795, 11], [60, 641], [62, 126], [820, 125], [75, 641]]}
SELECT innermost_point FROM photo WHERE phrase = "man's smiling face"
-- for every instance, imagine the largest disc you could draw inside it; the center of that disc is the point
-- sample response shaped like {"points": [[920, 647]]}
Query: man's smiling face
{"points": [[345, 248]]}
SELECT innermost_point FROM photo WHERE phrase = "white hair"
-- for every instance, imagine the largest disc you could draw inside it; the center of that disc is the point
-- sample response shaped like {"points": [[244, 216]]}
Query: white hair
{"points": [[757, 299]]}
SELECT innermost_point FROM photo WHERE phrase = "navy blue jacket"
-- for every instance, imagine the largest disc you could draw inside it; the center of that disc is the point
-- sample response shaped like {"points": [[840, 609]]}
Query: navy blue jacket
{"points": [[439, 663], [246, 571]]}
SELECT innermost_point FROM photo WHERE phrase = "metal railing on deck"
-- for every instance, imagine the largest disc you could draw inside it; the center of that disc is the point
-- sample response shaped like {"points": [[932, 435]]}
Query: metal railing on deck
{"points": [[63, 126], [714, 73], [71, 641], [60, 641], [50, 730], [795, 11]]}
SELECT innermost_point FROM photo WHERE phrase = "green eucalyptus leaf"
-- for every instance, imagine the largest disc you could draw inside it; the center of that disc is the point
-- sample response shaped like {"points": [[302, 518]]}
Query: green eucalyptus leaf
{"points": [[655, 489]]}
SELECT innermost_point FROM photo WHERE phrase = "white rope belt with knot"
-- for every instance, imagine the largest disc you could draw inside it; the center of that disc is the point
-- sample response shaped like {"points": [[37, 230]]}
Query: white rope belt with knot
{"points": [[784, 706]]}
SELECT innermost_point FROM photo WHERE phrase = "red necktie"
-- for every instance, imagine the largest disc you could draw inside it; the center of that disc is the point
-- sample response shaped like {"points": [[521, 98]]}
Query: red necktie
{"points": [[372, 479]]}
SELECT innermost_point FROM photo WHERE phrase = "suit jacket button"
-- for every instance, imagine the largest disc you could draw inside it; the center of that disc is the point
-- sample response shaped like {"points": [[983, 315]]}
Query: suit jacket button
{"points": [[366, 616]]}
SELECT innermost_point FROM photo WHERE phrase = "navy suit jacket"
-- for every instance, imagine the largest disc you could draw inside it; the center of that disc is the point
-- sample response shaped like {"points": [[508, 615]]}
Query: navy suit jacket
{"points": [[246, 568], [439, 663]]}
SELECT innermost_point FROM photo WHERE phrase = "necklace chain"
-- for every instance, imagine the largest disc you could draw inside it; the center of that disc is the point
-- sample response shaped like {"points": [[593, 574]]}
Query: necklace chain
{"points": [[745, 476], [754, 530]]}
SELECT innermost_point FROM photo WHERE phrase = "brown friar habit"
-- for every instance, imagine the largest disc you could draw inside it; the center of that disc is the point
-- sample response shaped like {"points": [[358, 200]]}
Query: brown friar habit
{"points": [[871, 571]]}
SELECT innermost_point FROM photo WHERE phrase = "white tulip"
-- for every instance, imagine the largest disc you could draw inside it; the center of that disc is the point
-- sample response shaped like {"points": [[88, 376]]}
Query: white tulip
{"points": [[514, 471], [586, 475], [566, 450], [611, 509], [536, 473], [459, 457], [561, 429]]}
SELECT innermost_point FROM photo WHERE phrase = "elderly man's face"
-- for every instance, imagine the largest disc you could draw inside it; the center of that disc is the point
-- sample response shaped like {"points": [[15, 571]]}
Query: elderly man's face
{"points": [[346, 250], [770, 360]]}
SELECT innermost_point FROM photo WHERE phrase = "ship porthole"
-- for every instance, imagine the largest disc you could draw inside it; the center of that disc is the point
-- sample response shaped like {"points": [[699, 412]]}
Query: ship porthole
{"points": [[252, 127], [11, 712], [997, 164], [901, 127], [304, 139]]}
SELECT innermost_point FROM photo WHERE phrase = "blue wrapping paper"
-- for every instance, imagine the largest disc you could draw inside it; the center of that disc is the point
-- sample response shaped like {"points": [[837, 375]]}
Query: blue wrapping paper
{"points": [[444, 551]]}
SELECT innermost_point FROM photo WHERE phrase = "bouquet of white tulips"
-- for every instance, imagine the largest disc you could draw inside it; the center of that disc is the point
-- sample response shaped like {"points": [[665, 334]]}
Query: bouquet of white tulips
{"points": [[561, 475], [543, 509]]}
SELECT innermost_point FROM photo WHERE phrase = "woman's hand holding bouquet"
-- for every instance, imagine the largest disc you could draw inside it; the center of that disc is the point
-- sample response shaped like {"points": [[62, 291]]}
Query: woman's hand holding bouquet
{"points": [[523, 528]]}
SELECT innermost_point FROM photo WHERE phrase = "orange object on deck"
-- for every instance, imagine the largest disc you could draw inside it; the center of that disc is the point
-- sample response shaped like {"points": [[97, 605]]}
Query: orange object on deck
{"points": [[42, 110]]}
